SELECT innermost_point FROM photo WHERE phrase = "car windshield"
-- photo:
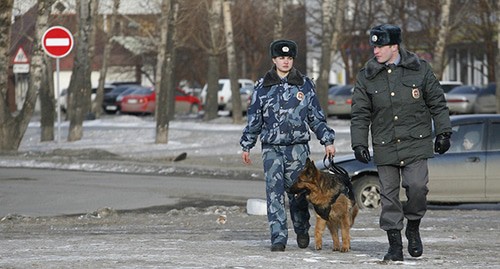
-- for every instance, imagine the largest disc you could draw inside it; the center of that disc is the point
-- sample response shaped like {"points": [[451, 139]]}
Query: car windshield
{"points": [[341, 90], [464, 89], [143, 91]]}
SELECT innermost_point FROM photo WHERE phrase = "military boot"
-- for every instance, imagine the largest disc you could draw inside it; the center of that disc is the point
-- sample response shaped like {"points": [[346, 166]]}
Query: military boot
{"points": [[412, 233], [395, 252]]}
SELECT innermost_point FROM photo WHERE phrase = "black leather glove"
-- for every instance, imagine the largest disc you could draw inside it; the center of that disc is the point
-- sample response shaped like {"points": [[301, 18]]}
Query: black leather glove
{"points": [[442, 143], [362, 154]]}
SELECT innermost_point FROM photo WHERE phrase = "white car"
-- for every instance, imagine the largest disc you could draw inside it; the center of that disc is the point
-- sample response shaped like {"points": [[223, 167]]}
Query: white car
{"points": [[224, 94]]}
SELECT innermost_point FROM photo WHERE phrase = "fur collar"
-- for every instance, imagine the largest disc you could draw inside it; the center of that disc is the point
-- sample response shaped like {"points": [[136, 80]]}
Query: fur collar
{"points": [[409, 60], [272, 78]]}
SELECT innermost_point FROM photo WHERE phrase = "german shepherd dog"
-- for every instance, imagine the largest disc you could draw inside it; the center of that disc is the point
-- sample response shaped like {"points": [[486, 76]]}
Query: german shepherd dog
{"points": [[332, 196]]}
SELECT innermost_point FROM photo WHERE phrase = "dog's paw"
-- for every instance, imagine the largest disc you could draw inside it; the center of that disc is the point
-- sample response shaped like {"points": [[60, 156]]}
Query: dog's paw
{"points": [[345, 249]]}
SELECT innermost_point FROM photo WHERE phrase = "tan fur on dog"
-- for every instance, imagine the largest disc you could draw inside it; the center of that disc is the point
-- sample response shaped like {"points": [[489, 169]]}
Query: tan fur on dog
{"points": [[322, 187]]}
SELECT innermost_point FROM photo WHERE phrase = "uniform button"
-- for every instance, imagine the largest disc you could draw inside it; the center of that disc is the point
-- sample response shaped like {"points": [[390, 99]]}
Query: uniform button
{"points": [[389, 71], [395, 117], [383, 142], [392, 94], [420, 136], [399, 140], [402, 162]]}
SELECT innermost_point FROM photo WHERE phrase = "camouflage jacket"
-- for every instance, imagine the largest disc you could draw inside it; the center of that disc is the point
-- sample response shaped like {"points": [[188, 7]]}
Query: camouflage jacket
{"points": [[283, 110], [398, 105]]}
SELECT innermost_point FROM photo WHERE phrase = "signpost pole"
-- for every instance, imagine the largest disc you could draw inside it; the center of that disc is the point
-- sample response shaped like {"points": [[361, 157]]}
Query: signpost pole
{"points": [[57, 42], [58, 103]]}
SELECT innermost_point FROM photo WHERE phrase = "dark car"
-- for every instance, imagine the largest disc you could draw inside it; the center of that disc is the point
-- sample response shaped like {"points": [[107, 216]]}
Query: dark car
{"points": [[340, 100], [109, 102], [464, 174]]}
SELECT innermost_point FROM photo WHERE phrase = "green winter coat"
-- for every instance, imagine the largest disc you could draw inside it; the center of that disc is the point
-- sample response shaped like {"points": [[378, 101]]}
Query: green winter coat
{"points": [[398, 107]]}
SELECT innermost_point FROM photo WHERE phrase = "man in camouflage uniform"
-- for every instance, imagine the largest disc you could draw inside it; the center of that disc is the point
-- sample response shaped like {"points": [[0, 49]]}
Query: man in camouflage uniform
{"points": [[284, 107], [397, 96]]}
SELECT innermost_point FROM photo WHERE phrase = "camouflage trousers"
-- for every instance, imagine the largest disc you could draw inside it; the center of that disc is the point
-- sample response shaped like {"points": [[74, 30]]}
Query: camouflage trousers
{"points": [[282, 165]]}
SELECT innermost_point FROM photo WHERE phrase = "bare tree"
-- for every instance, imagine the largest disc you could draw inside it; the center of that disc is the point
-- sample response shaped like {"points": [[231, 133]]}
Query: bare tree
{"points": [[214, 23], [444, 29], [497, 65], [46, 93], [97, 105], [79, 89], [165, 87], [231, 63], [327, 7], [278, 19], [13, 127]]}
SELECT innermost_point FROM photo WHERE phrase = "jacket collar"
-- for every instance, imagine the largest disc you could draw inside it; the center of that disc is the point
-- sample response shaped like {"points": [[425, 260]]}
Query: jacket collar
{"points": [[294, 77], [409, 60]]}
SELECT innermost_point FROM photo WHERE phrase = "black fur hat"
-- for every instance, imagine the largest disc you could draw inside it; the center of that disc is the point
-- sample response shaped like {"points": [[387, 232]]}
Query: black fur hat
{"points": [[283, 47], [385, 34]]}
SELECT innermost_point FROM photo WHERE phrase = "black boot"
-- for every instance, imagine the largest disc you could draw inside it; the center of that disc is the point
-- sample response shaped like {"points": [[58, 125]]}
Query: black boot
{"points": [[395, 252], [415, 247]]}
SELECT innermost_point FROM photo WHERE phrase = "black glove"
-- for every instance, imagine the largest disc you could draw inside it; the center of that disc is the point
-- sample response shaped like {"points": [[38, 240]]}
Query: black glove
{"points": [[361, 153], [442, 143]]}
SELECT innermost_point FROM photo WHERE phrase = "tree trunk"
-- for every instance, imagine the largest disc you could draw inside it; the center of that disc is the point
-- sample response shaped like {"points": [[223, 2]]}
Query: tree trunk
{"points": [[211, 108], [444, 29], [12, 128], [165, 87], [79, 89], [325, 61], [169, 82], [97, 104], [47, 98], [497, 65], [231, 62], [278, 20]]}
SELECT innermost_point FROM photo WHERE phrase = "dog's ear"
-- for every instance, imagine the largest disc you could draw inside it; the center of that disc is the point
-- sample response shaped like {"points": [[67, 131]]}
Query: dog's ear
{"points": [[310, 167]]}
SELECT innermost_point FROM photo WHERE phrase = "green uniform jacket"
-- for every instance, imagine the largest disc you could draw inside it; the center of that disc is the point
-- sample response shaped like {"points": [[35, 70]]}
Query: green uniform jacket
{"points": [[398, 107]]}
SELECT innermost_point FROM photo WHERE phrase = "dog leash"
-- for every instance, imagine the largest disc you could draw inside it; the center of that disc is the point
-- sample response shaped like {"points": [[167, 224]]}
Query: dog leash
{"points": [[332, 167], [339, 170]]}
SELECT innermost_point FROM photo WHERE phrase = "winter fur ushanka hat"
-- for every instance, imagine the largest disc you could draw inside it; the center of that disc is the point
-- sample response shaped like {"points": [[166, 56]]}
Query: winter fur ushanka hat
{"points": [[385, 34], [283, 47]]}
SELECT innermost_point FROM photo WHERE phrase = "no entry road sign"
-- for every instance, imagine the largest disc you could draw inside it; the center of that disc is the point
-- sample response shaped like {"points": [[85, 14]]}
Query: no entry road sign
{"points": [[57, 41]]}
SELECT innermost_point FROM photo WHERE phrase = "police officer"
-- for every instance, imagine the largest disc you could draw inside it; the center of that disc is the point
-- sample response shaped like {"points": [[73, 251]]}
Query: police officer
{"points": [[284, 107], [396, 97]]}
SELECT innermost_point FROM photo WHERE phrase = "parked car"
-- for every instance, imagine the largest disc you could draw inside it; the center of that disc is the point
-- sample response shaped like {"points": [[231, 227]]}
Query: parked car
{"points": [[186, 103], [224, 93], [340, 100], [63, 98], [458, 176], [486, 100], [143, 101], [461, 99], [245, 95], [109, 103], [449, 85], [139, 101]]}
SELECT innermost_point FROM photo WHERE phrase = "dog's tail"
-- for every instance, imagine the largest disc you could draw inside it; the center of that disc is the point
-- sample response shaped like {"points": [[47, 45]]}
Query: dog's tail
{"points": [[354, 212]]}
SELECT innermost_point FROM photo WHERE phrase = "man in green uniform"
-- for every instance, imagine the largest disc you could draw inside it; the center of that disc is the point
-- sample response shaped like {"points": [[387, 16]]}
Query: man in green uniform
{"points": [[397, 97]]}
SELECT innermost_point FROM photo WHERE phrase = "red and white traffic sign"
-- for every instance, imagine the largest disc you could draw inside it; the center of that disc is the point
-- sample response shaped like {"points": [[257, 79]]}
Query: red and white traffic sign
{"points": [[21, 63], [57, 41]]}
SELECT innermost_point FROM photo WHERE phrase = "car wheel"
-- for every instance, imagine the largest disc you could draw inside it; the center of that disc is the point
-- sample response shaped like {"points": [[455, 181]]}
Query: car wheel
{"points": [[367, 192]]}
